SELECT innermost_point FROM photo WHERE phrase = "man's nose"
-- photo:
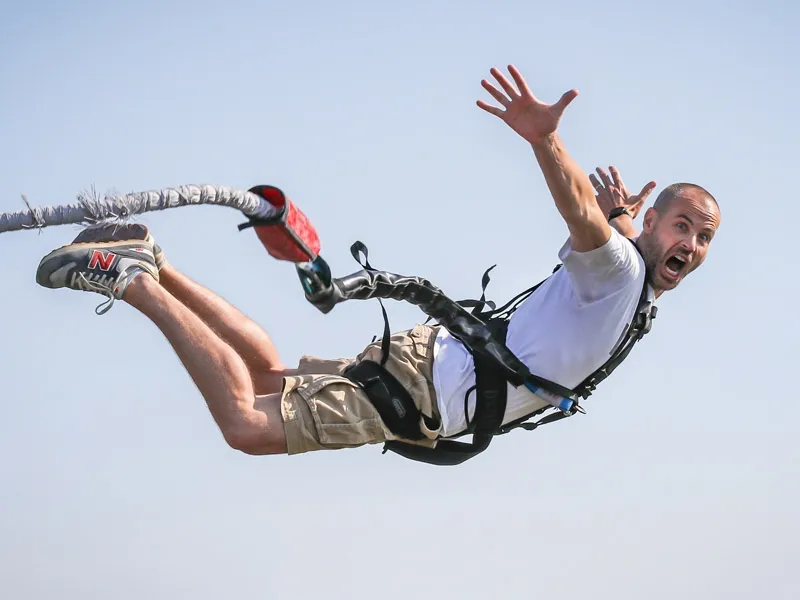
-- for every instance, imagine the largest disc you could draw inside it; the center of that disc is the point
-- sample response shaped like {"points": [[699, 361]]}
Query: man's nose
{"points": [[689, 243]]}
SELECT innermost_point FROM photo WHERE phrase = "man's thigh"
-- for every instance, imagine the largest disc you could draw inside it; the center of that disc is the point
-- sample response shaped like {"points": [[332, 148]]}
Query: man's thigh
{"points": [[322, 409], [271, 382]]}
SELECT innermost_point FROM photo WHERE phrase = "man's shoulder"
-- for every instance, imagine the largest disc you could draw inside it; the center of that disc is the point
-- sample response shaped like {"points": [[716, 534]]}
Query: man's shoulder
{"points": [[597, 273], [617, 251]]}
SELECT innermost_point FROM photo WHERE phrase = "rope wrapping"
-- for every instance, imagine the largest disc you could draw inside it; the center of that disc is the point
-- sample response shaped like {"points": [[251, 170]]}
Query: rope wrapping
{"points": [[91, 209]]}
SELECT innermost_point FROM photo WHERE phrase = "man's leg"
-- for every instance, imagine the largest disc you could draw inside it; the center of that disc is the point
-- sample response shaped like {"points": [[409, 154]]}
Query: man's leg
{"points": [[249, 340], [318, 409], [246, 337], [126, 270], [248, 422]]}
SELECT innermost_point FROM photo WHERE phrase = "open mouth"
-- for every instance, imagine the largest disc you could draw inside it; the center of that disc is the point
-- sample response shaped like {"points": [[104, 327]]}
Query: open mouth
{"points": [[675, 266]]}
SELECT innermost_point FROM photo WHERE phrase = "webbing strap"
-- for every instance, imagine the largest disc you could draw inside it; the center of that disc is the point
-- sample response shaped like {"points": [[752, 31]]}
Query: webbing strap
{"points": [[356, 250], [392, 401], [483, 333], [640, 325], [446, 453], [491, 388]]}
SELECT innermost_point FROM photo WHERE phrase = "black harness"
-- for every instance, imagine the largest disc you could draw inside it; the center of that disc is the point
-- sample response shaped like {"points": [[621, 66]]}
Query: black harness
{"points": [[482, 330]]}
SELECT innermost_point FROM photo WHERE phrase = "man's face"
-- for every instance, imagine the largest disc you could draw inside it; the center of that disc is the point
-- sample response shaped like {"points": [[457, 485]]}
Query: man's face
{"points": [[676, 243]]}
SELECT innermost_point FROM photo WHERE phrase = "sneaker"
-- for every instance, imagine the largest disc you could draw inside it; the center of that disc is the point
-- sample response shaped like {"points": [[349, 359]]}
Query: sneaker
{"points": [[117, 232], [106, 268]]}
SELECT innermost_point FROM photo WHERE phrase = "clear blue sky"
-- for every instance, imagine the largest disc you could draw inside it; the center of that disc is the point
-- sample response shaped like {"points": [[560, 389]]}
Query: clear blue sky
{"points": [[681, 482]]}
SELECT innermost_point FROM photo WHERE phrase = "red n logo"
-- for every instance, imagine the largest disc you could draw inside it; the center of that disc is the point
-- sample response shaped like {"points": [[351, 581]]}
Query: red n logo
{"points": [[102, 260]]}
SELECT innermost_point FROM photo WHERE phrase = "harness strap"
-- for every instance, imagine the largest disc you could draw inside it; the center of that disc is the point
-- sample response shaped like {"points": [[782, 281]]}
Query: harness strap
{"points": [[392, 401], [481, 331], [640, 325], [528, 425], [491, 387], [401, 415], [447, 453], [356, 250]]}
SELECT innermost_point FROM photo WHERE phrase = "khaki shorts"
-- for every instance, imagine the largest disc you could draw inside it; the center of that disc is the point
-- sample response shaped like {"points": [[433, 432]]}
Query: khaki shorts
{"points": [[322, 410]]}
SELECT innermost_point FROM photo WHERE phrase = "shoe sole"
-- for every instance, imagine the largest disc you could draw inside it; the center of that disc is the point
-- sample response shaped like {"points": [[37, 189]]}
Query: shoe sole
{"points": [[111, 229], [72, 247]]}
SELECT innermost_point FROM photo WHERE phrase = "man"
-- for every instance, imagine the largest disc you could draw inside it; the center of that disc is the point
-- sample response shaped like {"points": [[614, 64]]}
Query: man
{"points": [[563, 332]]}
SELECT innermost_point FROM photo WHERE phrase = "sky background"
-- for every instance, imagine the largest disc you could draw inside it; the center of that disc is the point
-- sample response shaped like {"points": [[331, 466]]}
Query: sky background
{"points": [[680, 482]]}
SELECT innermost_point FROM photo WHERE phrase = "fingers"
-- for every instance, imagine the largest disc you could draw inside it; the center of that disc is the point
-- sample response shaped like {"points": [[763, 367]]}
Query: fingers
{"points": [[498, 112], [595, 182], [513, 94], [604, 176], [520, 81], [615, 176], [496, 94], [647, 189], [504, 83], [565, 101]]}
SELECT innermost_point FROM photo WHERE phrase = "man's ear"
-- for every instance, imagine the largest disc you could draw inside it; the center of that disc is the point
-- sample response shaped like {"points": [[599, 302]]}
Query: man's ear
{"points": [[649, 221]]}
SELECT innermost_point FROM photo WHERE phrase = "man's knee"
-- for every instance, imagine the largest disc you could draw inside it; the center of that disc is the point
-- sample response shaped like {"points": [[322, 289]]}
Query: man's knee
{"points": [[256, 439]]}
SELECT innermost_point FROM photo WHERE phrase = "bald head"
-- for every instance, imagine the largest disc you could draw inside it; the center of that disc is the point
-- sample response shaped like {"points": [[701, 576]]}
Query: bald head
{"points": [[677, 232], [678, 190]]}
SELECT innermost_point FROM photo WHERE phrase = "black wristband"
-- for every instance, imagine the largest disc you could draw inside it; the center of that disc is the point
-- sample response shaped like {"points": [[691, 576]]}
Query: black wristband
{"points": [[619, 210]]}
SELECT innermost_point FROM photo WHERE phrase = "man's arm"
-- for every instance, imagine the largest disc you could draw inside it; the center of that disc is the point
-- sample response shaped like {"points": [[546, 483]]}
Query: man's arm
{"points": [[573, 194], [570, 187]]}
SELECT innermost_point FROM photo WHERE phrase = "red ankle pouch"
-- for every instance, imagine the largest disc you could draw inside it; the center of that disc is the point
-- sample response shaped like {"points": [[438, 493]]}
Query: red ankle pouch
{"points": [[289, 235]]}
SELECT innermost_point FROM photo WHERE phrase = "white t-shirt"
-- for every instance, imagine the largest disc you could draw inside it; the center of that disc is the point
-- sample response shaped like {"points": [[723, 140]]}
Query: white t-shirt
{"points": [[563, 332]]}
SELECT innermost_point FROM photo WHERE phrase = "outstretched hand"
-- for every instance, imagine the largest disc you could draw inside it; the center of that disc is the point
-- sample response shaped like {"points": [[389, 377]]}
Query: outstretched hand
{"points": [[522, 111], [612, 193]]}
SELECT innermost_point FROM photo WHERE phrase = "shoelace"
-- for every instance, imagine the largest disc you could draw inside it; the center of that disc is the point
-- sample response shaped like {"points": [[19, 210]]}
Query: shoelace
{"points": [[102, 284]]}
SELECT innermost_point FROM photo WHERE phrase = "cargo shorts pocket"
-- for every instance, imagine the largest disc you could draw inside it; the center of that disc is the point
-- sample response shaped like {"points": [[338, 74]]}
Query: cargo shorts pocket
{"points": [[342, 414], [421, 335]]}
